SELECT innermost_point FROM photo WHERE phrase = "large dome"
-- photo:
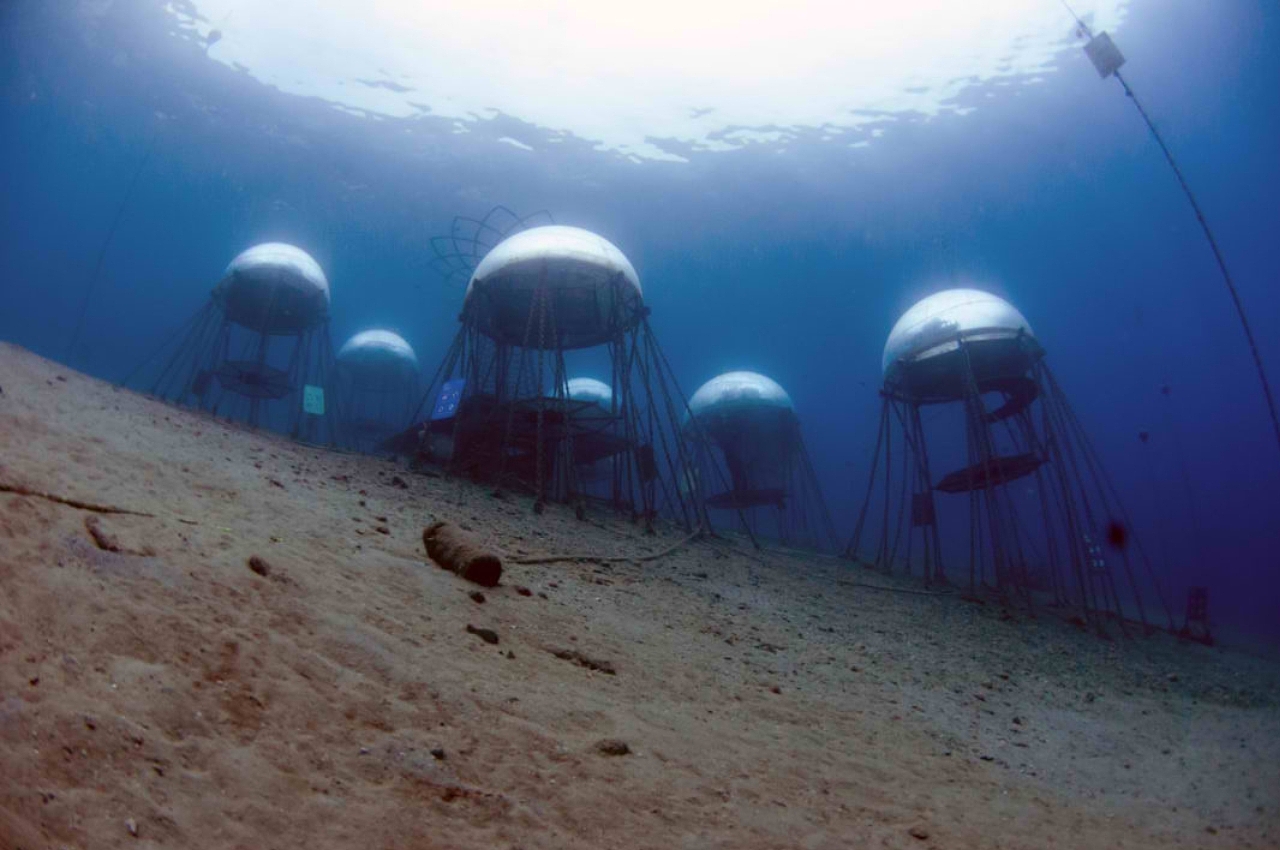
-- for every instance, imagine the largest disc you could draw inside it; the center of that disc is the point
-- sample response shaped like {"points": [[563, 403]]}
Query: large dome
{"points": [[378, 357], [923, 356], [593, 290], [274, 288]]}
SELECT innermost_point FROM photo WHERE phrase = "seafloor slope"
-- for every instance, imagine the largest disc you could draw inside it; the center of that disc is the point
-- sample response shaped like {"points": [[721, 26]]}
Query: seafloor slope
{"points": [[156, 692]]}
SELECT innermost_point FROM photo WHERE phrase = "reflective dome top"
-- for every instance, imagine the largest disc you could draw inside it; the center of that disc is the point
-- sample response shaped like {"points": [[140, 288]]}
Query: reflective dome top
{"points": [[378, 346], [589, 389], [935, 324], [593, 290], [752, 421], [738, 391], [274, 288], [378, 359], [997, 335]]}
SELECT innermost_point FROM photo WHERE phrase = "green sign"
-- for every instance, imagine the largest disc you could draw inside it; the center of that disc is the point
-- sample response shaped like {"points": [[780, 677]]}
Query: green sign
{"points": [[313, 400]]}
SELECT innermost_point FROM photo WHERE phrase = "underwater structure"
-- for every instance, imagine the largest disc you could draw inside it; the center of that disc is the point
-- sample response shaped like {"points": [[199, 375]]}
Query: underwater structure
{"points": [[747, 423], [377, 378], [258, 351], [1061, 537], [503, 410], [591, 411]]}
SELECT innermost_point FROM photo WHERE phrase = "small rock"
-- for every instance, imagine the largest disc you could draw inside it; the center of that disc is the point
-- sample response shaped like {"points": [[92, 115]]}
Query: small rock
{"points": [[132, 825], [259, 566], [775, 689], [486, 635], [1090, 697], [397, 481], [523, 591], [511, 655], [382, 529], [90, 723], [613, 747], [104, 540], [1173, 677], [596, 664], [364, 751], [918, 832], [438, 753], [477, 597]]}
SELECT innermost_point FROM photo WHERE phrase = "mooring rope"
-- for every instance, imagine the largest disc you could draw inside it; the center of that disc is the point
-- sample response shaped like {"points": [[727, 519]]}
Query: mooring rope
{"points": [[1208, 233], [106, 243]]}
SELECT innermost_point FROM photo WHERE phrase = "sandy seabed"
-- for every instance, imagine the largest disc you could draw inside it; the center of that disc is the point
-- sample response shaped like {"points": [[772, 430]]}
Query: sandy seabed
{"points": [[157, 692]]}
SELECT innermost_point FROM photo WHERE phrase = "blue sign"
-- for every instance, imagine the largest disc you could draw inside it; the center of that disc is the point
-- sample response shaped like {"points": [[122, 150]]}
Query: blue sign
{"points": [[448, 400]]}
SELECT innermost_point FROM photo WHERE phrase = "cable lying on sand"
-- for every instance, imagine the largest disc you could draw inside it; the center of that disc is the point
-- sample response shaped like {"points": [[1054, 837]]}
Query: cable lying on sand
{"points": [[570, 557], [73, 503]]}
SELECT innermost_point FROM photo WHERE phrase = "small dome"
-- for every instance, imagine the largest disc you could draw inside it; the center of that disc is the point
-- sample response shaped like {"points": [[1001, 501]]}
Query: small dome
{"points": [[591, 390], [738, 391], [594, 291], [921, 354], [753, 422], [378, 355], [274, 288]]}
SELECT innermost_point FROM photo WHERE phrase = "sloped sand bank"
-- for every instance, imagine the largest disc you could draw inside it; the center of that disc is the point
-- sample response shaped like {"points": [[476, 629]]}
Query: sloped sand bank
{"points": [[157, 692]]}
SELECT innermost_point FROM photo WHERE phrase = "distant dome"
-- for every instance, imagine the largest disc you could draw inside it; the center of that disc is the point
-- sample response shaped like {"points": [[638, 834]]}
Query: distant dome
{"points": [[590, 390], [753, 422], [594, 292], [378, 357], [274, 288], [734, 391], [923, 359]]}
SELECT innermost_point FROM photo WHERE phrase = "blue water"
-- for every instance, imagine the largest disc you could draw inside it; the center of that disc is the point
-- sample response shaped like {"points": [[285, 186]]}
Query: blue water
{"points": [[794, 262]]}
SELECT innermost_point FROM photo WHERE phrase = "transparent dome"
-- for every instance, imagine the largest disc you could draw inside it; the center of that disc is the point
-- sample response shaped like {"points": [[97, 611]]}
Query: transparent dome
{"points": [[274, 288], [738, 391], [924, 358], [751, 419], [378, 356], [590, 390], [593, 292]]}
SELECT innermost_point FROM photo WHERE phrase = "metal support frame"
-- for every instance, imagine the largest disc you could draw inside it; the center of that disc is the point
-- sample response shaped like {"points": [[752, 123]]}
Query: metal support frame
{"points": [[192, 367], [1049, 552], [518, 392]]}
